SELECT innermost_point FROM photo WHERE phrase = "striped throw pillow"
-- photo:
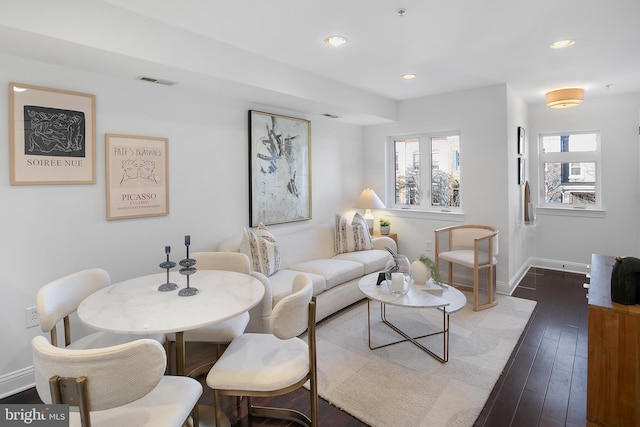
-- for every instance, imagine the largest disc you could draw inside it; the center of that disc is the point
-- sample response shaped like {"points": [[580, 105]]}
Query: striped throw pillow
{"points": [[351, 237], [262, 249]]}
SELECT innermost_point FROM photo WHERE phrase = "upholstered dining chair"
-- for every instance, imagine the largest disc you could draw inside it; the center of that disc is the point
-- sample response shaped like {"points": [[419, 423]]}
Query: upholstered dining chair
{"points": [[122, 385], [58, 299], [219, 333], [273, 364]]}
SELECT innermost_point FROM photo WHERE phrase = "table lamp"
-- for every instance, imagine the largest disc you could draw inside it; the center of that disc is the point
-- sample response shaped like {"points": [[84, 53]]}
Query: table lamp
{"points": [[369, 200]]}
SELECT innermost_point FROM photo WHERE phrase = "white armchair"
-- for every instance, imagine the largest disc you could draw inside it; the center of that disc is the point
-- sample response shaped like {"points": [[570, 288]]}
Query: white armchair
{"points": [[475, 247]]}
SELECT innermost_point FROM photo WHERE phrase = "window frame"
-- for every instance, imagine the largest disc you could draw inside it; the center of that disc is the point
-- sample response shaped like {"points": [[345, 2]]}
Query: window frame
{"points": [[425, 156], [571, 157]]}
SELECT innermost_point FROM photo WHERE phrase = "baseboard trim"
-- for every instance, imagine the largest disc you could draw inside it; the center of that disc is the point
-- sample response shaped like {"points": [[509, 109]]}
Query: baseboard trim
{"points": [[15, 382], [552, 264]]}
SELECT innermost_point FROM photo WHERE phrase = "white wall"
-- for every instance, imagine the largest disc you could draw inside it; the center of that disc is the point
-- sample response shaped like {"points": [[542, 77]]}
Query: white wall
{"points": [[616, 231], [487, 176], [50, 231], [521, 237]]}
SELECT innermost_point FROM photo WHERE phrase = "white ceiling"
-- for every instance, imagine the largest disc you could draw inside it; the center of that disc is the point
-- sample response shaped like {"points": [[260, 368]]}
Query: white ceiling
{"points": [[277, 46]]}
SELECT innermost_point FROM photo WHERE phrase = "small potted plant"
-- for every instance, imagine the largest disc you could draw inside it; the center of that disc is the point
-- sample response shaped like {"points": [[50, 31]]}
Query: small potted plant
{"points": [[385, 226]]}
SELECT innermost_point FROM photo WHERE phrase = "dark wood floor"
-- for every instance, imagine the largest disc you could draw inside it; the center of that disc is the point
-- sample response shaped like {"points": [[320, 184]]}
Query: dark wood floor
{"points": [[543, 384]]}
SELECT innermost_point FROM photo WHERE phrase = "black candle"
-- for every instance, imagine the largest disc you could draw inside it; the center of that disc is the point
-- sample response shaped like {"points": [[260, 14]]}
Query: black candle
{"points": [[167, 249], [187, 240]]}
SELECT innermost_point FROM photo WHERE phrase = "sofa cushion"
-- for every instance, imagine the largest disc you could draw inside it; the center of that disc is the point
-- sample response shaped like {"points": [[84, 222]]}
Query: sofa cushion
{"points": [[282, 280], [262, 249], [373, 260], [351, 237], [334, 271]]}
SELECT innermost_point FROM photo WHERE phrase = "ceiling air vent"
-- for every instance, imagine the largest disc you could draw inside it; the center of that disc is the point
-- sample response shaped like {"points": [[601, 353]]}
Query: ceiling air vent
{"points": [[158, 81], [331, 116]]}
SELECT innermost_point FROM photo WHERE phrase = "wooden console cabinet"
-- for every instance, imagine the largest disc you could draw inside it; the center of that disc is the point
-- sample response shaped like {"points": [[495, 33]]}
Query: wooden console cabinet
{"points": [[613, 373]]}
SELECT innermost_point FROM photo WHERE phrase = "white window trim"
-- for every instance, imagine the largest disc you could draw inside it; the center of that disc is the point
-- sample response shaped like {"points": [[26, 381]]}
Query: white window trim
{"points": [[571, 157], [390, 178]]}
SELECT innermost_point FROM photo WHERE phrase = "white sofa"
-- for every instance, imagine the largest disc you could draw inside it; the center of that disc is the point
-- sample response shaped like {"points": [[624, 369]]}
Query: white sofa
{"points": [[310, 250]]}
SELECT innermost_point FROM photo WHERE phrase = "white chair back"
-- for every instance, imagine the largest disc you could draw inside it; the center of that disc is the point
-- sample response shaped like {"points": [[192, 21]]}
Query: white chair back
{"points": [[116, 375], [290, 315], [61, 297], [228, 261]]}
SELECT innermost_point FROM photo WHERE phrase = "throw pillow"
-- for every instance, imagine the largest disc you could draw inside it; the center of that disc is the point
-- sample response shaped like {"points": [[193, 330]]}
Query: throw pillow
{"points": [[351, 237], [262, 249]]}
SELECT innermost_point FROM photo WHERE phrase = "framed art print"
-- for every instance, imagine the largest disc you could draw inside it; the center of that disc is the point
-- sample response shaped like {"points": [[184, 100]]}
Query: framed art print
{"points": [[137, 176], [520, 141], [279, 169], [521, 173], [52, 136]]}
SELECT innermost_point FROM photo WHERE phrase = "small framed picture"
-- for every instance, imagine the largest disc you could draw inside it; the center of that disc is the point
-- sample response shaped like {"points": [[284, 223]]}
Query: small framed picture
{"points": [[520, 140], [521, 178], [52, 136], [137, 176]]}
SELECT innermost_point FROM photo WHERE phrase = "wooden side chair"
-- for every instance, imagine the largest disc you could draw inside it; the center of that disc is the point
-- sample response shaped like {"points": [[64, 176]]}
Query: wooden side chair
{"points": [[473, 246], [221, 333], [58, 299], [276, 363], [122, 385]]}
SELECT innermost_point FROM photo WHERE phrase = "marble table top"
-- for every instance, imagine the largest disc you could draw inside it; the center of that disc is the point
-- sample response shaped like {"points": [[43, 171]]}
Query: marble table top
{"points": [[136, 306], [451, 299]]}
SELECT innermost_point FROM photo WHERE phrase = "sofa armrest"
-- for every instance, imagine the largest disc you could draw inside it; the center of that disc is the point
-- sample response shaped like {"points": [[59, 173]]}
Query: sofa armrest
{"points": [[380, 242], [260, 315]]}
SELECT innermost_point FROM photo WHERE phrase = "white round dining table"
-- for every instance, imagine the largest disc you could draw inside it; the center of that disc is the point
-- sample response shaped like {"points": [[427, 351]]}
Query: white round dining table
{"points": [[136, 306]]}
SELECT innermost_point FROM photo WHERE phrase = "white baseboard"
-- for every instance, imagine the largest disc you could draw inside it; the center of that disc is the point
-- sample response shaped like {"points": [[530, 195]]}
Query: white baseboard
{"points": [[17, 381], [507, 288], [552, 264]]}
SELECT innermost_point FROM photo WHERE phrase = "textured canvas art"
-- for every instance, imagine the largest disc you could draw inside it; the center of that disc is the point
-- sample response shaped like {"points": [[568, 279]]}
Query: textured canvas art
{"points": [[279, 169]]}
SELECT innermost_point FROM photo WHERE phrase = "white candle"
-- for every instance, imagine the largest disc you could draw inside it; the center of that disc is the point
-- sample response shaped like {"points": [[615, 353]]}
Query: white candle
{"points": [[397, 282]]}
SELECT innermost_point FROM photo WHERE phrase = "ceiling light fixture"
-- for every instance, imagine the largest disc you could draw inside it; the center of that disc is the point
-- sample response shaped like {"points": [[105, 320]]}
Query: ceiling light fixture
{"points": [[335, 41], [565, 98], [561, 44], [408, 76]]}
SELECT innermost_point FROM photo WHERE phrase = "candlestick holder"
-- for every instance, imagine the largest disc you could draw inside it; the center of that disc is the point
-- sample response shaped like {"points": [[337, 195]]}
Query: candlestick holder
{"points": [[187, 270], [168, 265]]}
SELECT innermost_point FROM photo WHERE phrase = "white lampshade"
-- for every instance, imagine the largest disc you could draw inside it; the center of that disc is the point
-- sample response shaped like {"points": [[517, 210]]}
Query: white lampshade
{"points": [[369, 200]]}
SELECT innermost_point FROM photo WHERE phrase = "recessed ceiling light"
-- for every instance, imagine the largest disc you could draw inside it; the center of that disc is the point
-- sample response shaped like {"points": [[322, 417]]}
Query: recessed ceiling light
{"points": [[561, 44], [409, 76], [335, 40]]}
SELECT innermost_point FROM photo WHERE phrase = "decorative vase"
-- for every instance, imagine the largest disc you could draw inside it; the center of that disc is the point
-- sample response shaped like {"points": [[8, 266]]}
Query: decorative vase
{"points": [[420, 272], [384, 229], [398, 275]]}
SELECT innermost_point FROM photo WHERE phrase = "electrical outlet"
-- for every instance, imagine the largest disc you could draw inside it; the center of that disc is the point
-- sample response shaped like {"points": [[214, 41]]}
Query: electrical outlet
{"points": [[429, 246], [31, 317]]}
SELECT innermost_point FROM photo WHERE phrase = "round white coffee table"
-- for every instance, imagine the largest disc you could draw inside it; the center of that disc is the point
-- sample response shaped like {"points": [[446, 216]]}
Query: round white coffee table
{"points": [[449, 302]]}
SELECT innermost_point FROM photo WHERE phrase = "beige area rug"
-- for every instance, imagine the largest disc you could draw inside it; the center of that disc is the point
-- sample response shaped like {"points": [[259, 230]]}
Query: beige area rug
{"points": [[401, 385]]}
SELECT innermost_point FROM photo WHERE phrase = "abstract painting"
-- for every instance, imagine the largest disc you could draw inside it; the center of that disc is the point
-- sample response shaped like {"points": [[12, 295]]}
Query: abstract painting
{"points": [[137, 176], [52, 136], [279, 169]]}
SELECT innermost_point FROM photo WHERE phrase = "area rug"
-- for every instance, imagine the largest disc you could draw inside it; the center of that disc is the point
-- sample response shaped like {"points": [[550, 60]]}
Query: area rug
{"points": [[401, 384]]}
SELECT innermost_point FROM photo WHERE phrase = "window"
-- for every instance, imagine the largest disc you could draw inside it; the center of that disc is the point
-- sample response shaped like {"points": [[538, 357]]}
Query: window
{"points": [[570, 172], [423, 159]]}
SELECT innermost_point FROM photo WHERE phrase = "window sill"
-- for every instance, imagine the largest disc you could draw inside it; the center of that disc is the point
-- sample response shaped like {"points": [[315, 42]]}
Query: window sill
{"points": [[571, 211], [454, 216]]}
